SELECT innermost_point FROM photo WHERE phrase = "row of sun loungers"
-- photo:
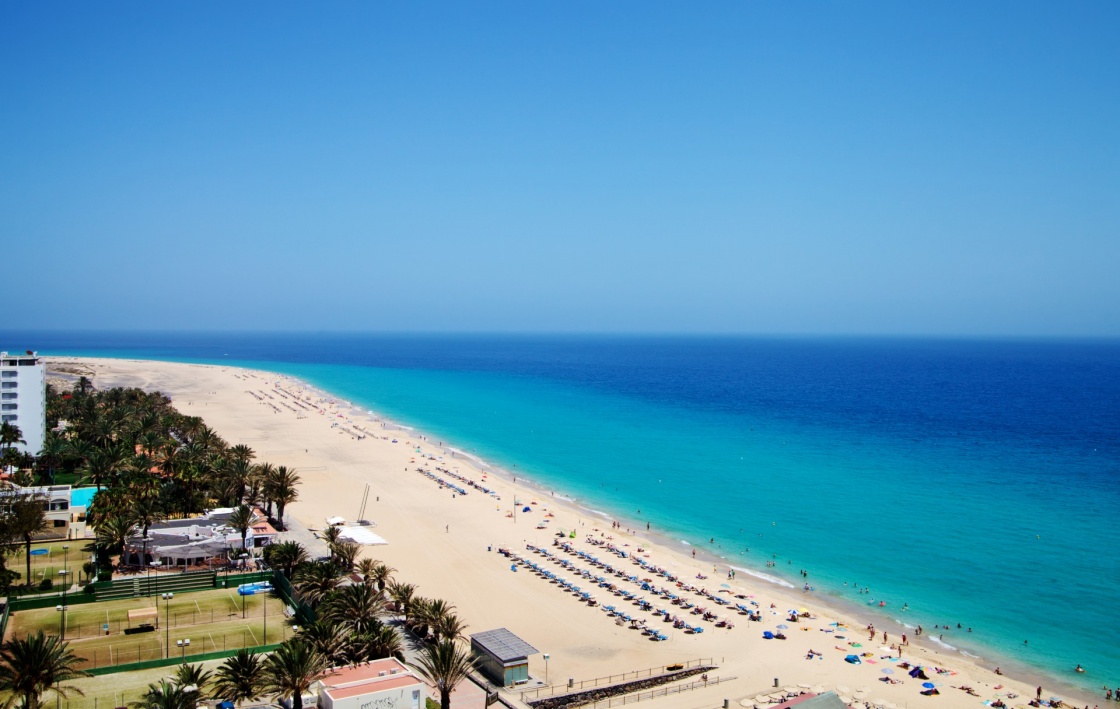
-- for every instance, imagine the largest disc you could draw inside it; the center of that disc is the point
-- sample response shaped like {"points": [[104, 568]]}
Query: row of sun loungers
{"points": [[467, 481], [628, 595], [443, 483]]}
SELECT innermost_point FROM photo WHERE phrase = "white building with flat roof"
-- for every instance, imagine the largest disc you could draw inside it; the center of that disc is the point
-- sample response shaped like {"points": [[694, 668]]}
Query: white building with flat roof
{"points": [[23, 398]]}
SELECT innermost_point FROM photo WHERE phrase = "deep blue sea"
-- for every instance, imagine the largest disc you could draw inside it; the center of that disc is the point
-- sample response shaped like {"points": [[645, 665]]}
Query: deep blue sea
{"points": [[976, 482]]}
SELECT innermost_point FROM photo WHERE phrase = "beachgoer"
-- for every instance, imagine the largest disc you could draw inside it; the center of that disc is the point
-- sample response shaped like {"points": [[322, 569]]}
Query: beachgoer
{"points": [[998, 671], [1038, 694]]}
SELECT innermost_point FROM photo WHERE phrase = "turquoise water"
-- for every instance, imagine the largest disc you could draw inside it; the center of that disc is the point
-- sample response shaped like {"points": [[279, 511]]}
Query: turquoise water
{"points": [[974, 483], [81, 496]]}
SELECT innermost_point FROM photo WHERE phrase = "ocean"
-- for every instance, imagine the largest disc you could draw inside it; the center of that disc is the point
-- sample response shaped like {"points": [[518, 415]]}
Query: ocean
{"points": [[958, 481]]}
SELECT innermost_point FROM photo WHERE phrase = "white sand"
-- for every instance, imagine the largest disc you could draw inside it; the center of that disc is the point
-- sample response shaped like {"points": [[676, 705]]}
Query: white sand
{"points": [[414, 515]]}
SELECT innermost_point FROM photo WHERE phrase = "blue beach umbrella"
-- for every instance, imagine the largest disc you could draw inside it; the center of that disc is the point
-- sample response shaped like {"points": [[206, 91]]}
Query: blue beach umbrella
{"points": [[853, 660], [783, 627], [527, 509], [928, 685]]}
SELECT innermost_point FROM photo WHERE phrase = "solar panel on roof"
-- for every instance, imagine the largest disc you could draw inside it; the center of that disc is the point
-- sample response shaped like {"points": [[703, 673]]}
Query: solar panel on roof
{"points": [[503, 644]]}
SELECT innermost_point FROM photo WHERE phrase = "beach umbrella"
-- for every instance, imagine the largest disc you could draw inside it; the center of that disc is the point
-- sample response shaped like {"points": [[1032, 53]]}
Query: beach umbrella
{"points": [[888, 671], [783, 627], [843, 689], [853, 659], [846, 699], [819, 689], [803, 686], [928, 685]]}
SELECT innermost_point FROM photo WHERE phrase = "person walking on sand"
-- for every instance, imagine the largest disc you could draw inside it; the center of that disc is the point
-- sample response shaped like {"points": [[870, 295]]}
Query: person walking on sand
{"points": [[1038, 694]]}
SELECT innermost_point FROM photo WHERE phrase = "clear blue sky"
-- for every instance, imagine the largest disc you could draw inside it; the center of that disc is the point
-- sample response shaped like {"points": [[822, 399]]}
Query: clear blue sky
{"points": [[780, 167]]}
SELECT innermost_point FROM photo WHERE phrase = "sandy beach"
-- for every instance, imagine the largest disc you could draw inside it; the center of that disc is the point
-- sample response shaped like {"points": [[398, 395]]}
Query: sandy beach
{"points": [[448, 545]]}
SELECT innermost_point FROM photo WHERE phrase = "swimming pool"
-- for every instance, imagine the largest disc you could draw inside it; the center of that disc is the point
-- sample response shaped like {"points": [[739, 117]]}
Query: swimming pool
{"points": [[81, 496]]}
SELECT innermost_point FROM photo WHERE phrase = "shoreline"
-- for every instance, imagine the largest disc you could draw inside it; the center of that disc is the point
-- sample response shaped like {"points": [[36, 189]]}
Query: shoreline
{"points": [[662, 544]]}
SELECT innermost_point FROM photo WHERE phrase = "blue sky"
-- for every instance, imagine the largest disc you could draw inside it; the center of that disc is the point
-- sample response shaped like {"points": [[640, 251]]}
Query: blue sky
{"points": [[872, 168]]}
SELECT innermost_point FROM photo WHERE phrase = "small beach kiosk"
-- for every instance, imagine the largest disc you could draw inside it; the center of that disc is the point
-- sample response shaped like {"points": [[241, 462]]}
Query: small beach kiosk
{"points": [[502, 656]]}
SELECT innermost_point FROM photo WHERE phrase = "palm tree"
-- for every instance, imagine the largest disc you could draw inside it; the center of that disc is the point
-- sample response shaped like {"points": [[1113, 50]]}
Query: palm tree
{"points": [[114, 530], [402, 595], [330, 639], [192, 676], [292, 669], [169, 695], [449, 627], [35, 664], [237, 473], [355, 607], [242, 520], [54, 449], [147, 510], [315, 580], [383, 575], [280, 487], [364, 568], [287, 556], [445, 665], [345, 553], [26, 517], [10, 435], [384, 641], [434, 613], [239, 678], [330, 535]]}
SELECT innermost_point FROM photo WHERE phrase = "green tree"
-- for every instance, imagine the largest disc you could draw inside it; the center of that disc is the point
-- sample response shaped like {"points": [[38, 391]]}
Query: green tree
{"points": [[193, 676], [315, 580], [287, 556], [240, 677], [169, 695], [344, 554], [330, 639], [384, 641], [10, 435], [402, 595], [292, 669], [383, 575], [280, 486], [242, 520], [445, 665], [355, 607], [39, 662], [24, 517]]}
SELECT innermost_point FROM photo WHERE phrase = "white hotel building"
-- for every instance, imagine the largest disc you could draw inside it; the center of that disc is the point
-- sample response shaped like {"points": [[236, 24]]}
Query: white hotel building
{"points": [[23, 398]]}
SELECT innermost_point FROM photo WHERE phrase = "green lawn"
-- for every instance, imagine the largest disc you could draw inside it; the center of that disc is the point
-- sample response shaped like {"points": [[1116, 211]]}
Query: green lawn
{"points": [[212, 620], [56, 559]]}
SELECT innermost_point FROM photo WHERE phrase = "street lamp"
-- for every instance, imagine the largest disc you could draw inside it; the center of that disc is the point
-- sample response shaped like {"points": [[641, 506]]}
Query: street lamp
{"points": [[64, 573], [546, 656], [243, 557], [61, 621], [167, 615], [184, 644]]}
